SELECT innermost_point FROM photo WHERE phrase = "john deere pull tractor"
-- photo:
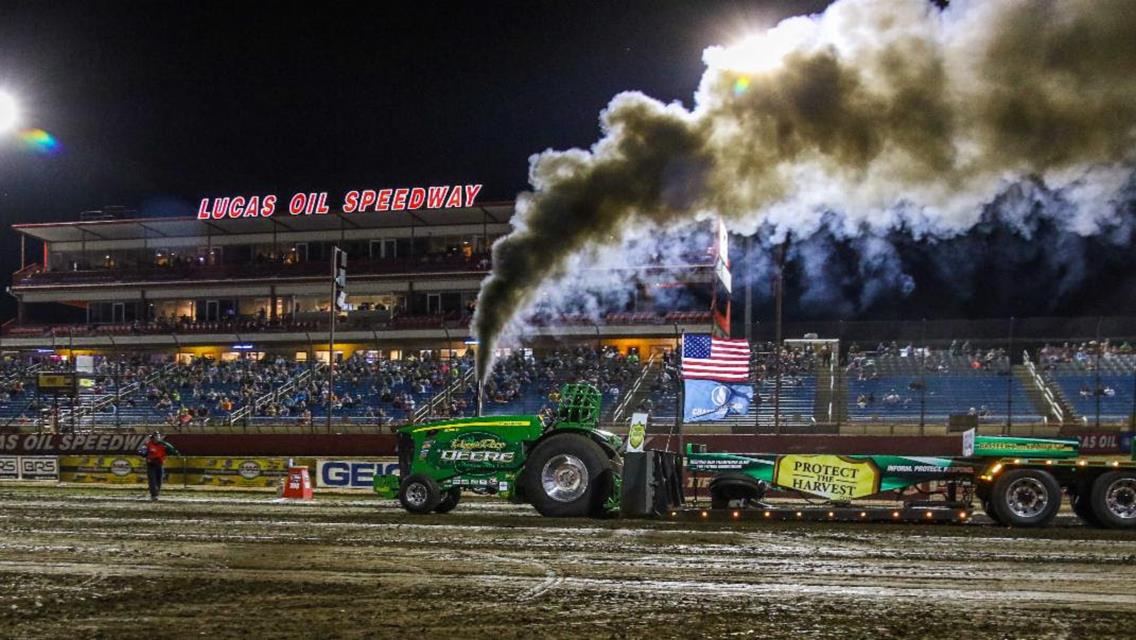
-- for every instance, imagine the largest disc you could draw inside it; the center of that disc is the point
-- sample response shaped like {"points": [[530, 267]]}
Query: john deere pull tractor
{"points": [[564, 466]]}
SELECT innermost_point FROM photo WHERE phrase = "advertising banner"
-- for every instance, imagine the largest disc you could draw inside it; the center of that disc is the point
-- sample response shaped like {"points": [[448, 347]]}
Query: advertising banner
{"points": [[353, 474], [39, 468], [78, 444], [836, 477], [1104, 442], [124, 469], [230, 472], [832, 477], [131, 469], [9, 468]]}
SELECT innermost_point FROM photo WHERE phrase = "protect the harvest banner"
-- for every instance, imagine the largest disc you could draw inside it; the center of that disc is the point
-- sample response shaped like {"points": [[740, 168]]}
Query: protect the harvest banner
{"points": [[832, 477]]}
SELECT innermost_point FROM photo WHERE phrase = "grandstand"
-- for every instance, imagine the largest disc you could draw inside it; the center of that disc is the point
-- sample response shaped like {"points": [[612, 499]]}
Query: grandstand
{"points": [[204, 324], [888, 385]]}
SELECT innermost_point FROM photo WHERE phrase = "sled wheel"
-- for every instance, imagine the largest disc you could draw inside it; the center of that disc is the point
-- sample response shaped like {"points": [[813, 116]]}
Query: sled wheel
{"points": [[1026, 498], [732, 487], [1113, 499]]}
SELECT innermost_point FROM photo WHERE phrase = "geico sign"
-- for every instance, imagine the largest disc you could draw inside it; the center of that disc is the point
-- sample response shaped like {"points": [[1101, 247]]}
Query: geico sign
{"points": [[459, 455], [352, 474]]}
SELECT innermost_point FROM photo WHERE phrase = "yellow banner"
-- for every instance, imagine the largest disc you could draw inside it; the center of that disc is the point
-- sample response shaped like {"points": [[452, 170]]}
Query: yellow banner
{"points": [[230, 472], [121, 469], [827, 476], [220, 472]]}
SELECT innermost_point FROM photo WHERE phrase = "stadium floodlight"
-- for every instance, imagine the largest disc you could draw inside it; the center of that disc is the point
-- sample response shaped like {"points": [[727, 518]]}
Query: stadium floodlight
{"points": [[763, 51], [9, 112]]}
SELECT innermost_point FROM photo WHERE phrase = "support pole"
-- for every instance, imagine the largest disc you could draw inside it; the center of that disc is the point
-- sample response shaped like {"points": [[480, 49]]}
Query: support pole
{"points": [[1010, 381], [749, 292], [1097, 391], [923, 378], [331, 338], [779, 293], [680, 391], [75, 378]]}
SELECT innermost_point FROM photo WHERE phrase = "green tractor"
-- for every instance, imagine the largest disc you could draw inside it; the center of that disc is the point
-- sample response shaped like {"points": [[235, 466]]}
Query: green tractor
{"points": [[563, 465]]}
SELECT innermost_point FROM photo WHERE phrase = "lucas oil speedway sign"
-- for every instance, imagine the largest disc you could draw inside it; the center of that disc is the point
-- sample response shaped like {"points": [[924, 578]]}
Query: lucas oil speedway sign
{"points": [[78, 443]]}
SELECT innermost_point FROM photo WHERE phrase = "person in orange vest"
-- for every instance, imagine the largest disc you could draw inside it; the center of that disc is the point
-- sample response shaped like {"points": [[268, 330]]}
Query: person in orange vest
{"points": [[155, 449]]}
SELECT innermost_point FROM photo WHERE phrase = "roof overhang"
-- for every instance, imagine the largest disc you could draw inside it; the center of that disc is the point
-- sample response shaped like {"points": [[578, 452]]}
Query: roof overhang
{"points": [[181, 227]]}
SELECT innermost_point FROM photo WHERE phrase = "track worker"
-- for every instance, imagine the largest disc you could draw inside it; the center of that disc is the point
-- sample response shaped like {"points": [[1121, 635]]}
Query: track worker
{"points": [[155, 449]]}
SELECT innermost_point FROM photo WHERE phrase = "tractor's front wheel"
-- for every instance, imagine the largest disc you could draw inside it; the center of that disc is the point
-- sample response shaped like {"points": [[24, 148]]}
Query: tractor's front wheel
{"points": [[419, 494], [567, 476], [449, 500]]}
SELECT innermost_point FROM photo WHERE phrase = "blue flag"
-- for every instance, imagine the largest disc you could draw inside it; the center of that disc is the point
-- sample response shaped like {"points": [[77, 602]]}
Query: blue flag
{"points": [[707, 400]]}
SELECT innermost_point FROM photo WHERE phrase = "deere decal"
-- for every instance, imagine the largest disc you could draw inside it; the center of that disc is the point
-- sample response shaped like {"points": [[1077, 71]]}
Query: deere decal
{"points": [[827, 476], [477, 448]]}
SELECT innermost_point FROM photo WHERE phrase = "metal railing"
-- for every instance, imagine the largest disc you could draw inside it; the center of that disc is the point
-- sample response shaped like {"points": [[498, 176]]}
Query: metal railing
{"points": [[1051, 400], [429, 409]]}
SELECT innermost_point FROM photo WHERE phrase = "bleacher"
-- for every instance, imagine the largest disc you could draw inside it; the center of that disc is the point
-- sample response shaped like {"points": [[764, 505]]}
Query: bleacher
{"points": [[886, 388], [1083, 387], [525, 385], [383, 391]]}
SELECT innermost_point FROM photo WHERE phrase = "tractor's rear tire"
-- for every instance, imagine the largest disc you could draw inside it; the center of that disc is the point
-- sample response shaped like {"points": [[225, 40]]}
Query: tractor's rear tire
{"points": [[568, 476], [1083, 507], [450, 499], [419, 494], [1113, 499], [1025, 498]]}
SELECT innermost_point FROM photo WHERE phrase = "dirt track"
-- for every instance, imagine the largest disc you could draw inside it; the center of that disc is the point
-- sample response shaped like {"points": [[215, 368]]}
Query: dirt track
{"points": [[81, 563]]}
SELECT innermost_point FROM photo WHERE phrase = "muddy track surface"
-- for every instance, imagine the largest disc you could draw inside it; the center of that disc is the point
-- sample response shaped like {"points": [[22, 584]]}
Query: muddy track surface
{"points": [[88, 563]]}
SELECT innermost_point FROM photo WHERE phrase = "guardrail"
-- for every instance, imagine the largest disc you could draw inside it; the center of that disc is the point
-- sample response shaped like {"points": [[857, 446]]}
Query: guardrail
{"points": [[618, 415], [98, 402], [248, 410], [430, 408]]}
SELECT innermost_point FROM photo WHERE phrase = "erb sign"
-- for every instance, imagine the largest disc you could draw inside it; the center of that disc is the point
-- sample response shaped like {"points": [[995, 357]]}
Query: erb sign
{"points": [[352, 474]]}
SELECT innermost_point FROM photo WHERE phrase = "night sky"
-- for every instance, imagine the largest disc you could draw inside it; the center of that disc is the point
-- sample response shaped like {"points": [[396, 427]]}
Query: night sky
{"points": [[156, 105]]}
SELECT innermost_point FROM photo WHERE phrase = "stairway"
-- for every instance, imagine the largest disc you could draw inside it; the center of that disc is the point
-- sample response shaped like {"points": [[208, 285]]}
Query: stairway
{"points": [[1037, 397], [638, 391]]}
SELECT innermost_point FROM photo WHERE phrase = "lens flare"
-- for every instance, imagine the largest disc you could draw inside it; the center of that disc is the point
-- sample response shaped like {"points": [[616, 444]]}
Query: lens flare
{"points": [[741, 85], [39, 141]]}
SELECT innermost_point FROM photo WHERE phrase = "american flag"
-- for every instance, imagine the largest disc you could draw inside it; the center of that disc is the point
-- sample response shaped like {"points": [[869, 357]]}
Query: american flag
{"points": [[708, 358]]}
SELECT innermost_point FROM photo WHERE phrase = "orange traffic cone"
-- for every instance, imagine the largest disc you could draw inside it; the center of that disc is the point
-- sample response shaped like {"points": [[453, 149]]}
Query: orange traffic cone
{"points": [[298, 485]]}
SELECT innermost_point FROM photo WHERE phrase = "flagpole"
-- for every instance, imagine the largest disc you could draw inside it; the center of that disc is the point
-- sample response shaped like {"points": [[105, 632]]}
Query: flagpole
{"points": [[680, 394]]}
